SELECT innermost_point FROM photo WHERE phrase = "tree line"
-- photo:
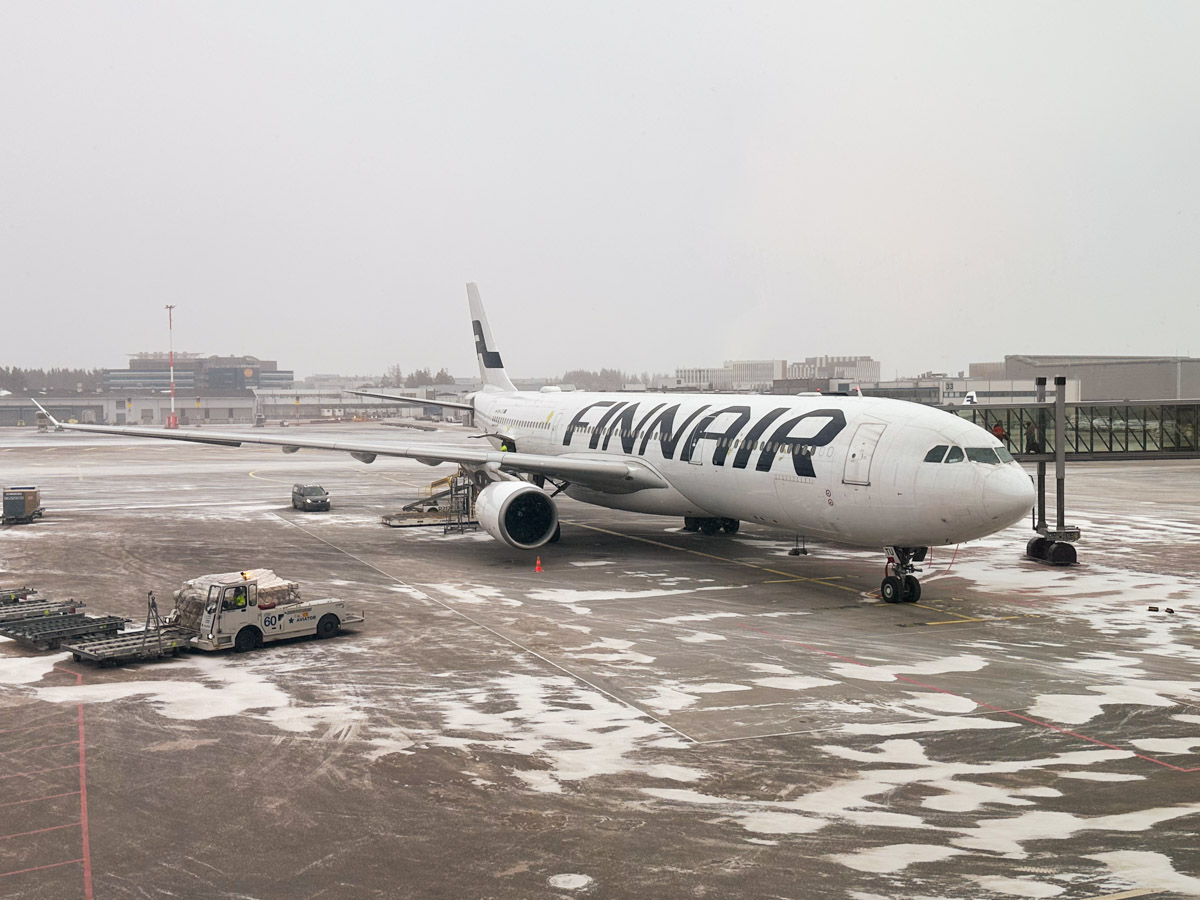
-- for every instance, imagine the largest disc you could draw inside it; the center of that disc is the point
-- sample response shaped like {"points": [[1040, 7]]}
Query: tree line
{"points": [[395, 378], [18, 381]]}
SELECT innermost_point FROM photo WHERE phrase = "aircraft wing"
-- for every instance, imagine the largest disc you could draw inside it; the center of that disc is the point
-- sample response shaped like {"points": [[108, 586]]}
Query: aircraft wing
{"points": [[414, 401], [608, 475]]}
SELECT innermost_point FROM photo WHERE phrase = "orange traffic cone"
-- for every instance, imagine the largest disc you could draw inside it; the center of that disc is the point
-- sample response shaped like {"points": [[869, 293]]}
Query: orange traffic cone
{"points": [[538, 566]]}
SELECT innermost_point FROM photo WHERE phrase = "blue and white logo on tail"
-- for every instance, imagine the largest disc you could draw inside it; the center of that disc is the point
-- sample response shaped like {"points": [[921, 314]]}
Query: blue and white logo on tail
{"points": [[491, 368]]}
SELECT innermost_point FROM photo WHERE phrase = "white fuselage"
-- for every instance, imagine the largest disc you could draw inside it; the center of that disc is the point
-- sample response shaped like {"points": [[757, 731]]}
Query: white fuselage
{"points": [[850, 469]]}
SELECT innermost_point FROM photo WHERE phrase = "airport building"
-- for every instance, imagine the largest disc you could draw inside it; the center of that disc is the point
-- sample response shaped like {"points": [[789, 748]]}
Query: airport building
{"points": [[1106, 377], [764, 374], [855, 368], [710, 379], [194, 372]]}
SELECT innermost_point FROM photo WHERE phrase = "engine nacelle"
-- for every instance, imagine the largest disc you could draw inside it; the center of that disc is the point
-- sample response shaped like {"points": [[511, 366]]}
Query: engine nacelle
{"points": [[518, 513]]}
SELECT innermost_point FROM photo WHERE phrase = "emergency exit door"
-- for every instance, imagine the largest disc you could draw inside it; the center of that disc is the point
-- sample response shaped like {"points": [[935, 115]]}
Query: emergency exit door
{"points": [[862, 452]]}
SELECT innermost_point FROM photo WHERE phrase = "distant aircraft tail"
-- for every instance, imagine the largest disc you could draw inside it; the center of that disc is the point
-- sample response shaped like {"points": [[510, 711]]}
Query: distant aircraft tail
{"points": [[491, 369]]}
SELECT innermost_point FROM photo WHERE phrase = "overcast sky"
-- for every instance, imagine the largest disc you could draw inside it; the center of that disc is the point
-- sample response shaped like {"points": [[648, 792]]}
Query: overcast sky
{"points": [[638, 185]]}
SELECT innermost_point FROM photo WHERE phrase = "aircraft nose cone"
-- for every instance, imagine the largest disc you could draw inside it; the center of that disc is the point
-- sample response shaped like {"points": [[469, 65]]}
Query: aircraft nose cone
{"points": [[1008, 495]]}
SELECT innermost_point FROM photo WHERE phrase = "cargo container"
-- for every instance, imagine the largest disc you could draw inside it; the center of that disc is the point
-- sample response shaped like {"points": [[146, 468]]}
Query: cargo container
{"points": [[21, 505]]}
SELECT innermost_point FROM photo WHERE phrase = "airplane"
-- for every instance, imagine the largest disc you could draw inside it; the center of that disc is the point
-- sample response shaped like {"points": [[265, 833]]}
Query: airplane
{"points": [[865, 471]]}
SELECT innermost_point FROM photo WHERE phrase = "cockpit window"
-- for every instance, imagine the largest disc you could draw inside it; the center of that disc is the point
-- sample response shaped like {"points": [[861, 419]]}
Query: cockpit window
{"points": [[936, 454], [955, 455], [1005, 456], [983, 455]]}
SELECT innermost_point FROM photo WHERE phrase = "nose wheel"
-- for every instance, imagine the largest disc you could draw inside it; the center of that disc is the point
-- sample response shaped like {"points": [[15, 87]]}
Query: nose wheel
{"points": [[899, 584]]}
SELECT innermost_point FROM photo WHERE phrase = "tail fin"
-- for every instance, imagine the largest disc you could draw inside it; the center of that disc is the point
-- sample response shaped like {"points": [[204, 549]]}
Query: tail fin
{"points": [[491, 369]]}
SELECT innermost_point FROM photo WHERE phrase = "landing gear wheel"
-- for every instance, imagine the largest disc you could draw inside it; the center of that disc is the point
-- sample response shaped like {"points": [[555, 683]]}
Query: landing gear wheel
{"points": [[710, 526], [891, 589], [691, 523], [554, 538], [912, 589], [1038, 548], [1062, 553], [328, 626], [730, 526]]}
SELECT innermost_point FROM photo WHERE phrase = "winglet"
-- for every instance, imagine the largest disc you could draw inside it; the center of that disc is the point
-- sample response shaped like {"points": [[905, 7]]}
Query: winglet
{"points": [[46, 413]]}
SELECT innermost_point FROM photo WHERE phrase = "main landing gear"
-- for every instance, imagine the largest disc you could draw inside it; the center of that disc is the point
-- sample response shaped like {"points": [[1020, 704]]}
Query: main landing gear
{"points": [[706, 525], [900, 585]]}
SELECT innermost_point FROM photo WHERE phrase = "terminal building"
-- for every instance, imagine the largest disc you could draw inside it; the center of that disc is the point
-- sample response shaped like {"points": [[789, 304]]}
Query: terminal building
{"points": [[194, 372], [763, 374], [1106, 377]]}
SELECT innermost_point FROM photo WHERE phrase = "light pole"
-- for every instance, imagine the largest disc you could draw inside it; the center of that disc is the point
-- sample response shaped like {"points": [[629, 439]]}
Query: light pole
{"points": [[172, 419]]}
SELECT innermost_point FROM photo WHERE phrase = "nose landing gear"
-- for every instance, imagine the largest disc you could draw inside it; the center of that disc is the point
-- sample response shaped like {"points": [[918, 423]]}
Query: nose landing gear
{"points": [[900, 585]]}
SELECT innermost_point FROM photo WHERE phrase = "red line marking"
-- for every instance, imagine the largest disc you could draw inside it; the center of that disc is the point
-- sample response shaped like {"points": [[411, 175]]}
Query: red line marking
{"points": [[39, 799], [65, 862], [43, 747], [83, 812], [5, 837], [83, 807], [997, 709], [38, 771]]}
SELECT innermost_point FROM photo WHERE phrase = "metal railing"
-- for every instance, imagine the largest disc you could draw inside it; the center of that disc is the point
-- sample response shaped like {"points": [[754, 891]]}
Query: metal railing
{"points": [[1162, 429]]}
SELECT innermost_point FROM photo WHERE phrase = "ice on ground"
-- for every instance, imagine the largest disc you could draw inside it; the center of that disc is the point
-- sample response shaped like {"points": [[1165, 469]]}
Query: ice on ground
{"points": [[1016, 887], [28, 669], [963, 663], [696, 617], [221, 687], [700, 637], [893, 857], [1167, 745], [572, 731], [1144, 867], [1075, 709], [793, 682], [569, 882]]}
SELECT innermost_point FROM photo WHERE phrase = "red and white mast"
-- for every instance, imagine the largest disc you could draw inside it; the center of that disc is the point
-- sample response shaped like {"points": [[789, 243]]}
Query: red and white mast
{"points": [[172, 420]]}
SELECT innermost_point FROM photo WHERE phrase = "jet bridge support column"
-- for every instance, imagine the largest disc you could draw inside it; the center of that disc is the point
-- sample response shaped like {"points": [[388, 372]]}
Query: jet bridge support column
{"points": [[1054, 544]]}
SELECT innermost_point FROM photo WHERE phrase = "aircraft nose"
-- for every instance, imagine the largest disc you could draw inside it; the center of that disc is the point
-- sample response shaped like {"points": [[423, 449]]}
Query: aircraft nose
{"points": [[1008, 494]]}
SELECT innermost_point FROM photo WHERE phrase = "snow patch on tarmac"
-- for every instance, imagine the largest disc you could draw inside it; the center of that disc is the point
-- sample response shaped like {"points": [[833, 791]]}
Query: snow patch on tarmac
{"points": [[216, 687], [27, 669], [570, 731]]}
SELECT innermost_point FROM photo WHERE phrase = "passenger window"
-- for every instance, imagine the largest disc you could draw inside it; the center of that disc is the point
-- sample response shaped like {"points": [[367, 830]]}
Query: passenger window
{"points": [[955, 455], [937, 454]]}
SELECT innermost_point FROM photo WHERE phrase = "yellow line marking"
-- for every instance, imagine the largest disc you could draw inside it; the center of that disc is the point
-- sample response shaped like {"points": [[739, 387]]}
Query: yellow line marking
{"points": [[264, 478], [966, 619], [737, 562], [793, 580], [945, 612]]}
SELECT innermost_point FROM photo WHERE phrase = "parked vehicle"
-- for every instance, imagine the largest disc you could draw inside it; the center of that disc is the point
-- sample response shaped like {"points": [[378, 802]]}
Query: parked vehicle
{"points": [[309, 496], [22, 505]]}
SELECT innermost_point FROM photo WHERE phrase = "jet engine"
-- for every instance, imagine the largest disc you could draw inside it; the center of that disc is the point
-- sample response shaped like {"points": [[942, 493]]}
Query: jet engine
{"points": [[518, 513]]}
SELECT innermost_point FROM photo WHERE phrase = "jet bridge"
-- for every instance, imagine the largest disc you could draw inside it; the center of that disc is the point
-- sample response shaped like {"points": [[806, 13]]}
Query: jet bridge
{"points": [[1130, 430], [1059, 432]]}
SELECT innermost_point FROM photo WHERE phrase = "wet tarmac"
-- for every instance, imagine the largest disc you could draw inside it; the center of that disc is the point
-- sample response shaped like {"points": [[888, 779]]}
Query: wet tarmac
{"points": [[656, 714]]}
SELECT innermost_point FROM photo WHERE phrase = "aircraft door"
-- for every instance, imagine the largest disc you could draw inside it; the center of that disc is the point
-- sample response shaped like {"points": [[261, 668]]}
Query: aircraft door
{"points": [[862, 452]]}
